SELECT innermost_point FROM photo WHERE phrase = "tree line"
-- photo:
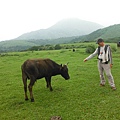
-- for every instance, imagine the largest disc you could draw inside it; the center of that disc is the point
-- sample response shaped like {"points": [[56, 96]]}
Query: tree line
{"points": [[54, 47]]}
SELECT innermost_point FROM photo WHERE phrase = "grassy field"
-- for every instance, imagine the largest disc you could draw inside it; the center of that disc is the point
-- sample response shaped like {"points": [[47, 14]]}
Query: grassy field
{"points": [[80, 98]]}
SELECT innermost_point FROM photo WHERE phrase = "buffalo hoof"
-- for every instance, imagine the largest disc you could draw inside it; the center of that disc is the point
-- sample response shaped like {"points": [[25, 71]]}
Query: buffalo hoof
{"points": [[32, 100], [26, 99]]}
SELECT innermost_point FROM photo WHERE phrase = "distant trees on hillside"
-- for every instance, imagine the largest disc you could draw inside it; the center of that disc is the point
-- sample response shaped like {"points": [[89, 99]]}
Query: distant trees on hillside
{"points": [[55, 47], [45, 47]]}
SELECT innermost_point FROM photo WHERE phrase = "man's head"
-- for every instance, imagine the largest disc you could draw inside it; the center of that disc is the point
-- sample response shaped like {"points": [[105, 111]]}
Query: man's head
{"points": [[100, 42]]}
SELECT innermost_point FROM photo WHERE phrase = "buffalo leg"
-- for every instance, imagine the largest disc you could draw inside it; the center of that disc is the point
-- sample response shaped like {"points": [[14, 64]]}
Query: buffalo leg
{"points": [[47, 83], [48, 80], [30, 89], [50, 85], [24, 78]]}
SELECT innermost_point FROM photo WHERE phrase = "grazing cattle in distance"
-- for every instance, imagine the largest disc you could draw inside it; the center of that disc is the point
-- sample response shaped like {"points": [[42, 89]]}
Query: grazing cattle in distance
{"points": [[118, 44], [73, 50], [41, 68]]}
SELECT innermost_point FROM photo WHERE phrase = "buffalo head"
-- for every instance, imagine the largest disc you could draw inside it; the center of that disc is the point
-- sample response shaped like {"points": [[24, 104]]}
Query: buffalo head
{"points": [[64, 72]]}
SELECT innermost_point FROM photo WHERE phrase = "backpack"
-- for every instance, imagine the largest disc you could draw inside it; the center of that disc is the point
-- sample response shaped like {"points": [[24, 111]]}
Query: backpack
{"points": [[106, 46]]}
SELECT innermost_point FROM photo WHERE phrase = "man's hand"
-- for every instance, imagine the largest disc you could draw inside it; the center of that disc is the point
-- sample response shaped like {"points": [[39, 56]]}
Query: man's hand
{"points": [[85, 60], [111, 65]]}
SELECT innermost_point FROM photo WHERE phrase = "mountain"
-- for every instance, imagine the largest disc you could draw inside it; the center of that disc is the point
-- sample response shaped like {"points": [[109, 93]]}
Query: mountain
{"points": [[19, 45], [109, 34], [64, 28]]}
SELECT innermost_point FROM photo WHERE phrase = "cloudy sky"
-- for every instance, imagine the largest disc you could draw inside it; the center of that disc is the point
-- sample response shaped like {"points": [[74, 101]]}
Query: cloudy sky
{"points": [[21, 16]]}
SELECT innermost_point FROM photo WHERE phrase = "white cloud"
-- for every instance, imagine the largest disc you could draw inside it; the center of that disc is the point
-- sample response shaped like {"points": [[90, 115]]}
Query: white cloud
{"points": [[20, 16]]}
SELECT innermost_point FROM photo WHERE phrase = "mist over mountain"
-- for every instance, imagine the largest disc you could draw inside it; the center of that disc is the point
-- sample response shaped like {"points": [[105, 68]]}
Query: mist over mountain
{"points": [[64, 28]]}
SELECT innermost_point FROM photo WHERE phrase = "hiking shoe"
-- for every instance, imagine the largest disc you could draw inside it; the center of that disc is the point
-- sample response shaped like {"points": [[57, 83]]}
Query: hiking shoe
{"points": [[102, 84], [113, 88]]}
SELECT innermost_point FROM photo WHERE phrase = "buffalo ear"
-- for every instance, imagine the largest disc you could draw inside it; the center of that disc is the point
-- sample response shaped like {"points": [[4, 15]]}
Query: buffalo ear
{"points": [[67, 63]]}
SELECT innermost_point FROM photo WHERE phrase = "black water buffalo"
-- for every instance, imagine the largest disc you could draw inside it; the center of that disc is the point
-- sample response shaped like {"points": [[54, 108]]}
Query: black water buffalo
{"points": [[39, 68]]}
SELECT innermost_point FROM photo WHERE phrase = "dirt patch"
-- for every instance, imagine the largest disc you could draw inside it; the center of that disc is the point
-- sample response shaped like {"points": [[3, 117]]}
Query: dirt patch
{"points": [[56, 118]]}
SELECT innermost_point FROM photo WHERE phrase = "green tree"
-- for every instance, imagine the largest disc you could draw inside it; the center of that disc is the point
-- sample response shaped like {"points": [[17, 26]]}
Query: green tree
{"points": [[57, 47]]}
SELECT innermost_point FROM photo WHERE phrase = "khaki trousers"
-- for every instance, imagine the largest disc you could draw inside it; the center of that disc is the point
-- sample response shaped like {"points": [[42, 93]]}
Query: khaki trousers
{"points": [[105, 68]]}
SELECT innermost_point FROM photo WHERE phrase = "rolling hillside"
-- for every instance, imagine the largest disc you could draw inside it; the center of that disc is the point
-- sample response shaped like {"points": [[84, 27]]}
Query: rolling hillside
{"points": [[110, 34], [18, 45], [62, 32]]}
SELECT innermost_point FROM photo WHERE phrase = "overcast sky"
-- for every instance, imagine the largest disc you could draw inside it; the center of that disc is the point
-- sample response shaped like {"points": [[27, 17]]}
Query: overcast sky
{"points": [[21, 16]]}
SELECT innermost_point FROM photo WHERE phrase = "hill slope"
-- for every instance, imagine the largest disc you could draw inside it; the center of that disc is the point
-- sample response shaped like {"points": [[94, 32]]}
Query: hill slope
{"points": [[18, 45], [111, 34], [64, 28]]}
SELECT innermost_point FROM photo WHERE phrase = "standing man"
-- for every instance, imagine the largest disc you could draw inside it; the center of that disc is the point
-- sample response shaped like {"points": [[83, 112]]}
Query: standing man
{"points": [[104, 62]]}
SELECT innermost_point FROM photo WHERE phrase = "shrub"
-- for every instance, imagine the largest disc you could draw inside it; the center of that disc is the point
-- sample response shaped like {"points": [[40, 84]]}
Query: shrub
{"points": [[57, 47], [51, 48], [90, 48], [113, 48]]}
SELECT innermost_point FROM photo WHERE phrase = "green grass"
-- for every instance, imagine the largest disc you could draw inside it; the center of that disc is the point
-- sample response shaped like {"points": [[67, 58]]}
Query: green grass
{"points": [[80, 98]]}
